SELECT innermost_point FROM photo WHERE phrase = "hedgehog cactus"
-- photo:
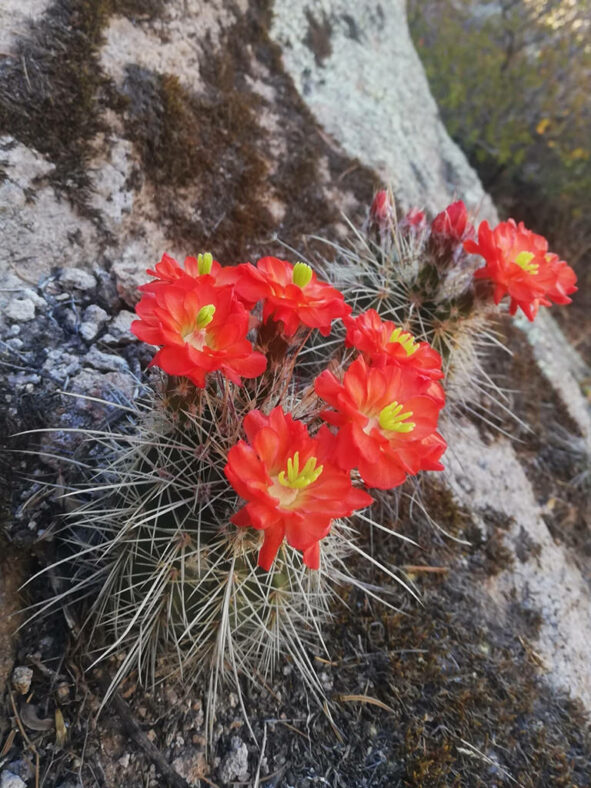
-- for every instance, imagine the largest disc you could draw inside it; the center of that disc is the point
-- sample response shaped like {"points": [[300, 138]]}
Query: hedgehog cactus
{"points": [[220, 525], [426, 279]]}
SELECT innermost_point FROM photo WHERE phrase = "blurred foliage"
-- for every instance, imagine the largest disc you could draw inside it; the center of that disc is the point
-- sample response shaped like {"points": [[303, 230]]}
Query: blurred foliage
{"points": [[512, 79]]}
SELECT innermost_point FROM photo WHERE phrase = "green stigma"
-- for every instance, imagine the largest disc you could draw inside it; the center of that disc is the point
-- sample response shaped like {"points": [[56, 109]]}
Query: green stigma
{"points": [[523, 260], [393, 420], [297, 479], [405, 339], [205, 316], [302, 273], [204, 262]]}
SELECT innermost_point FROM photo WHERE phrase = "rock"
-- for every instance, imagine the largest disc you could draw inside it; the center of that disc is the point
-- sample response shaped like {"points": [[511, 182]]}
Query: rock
{"points": [[385, 116], [119, 329], [21, 310], [93, 319], [10, 780], [192, 765], [111, 386], [15, 17], [106, 362], [22, 768], [21, 679], [498, 483], [78, 279], [34, 217], [60, 365], [62, 691], [235, 763]]}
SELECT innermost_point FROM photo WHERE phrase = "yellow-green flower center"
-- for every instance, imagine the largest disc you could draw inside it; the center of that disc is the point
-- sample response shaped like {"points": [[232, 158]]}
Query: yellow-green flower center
{"points": [[193, 333], [523, 260], [204, 262], [204, 316], [392, 419], [405, 339], [297, 479], [302, 273]]}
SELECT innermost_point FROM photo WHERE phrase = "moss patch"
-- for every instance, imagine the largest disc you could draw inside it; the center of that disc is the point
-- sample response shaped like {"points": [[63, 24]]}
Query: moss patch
{"points": [[210, 156], [52, 91]]}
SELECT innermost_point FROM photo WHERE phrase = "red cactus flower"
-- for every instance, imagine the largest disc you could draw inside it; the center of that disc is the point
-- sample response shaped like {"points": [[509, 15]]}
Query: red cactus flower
{"points": [[386, 421], [292, 294], [201, 328], [382, 342], [203, 268], [516, 264], [452, 224], [564, 280], [292, 485]]}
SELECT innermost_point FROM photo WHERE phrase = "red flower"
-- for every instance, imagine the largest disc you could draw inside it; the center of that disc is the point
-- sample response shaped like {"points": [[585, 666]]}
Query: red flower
{"points": [[293, 487], [516, 264], [201, 328], [383, 343], [202, 268], [564, 280], [386, 419], [292, 294], [452, 224]]}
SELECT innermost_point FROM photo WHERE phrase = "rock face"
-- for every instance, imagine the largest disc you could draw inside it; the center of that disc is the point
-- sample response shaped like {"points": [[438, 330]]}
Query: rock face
{"points": [[356, 67], [217, 126]]}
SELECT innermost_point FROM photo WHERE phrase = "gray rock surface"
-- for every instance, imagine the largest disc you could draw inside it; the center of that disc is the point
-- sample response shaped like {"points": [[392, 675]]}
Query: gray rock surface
{"points": [[355, 65], [10, 780]]}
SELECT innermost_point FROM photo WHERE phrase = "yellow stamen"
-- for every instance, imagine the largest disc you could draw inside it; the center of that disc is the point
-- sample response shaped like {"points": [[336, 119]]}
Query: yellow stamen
{"points": [[393, 420], [204, 316], [302, 273], [204, 262], [405, 339], [297, 479], [523, 260]]}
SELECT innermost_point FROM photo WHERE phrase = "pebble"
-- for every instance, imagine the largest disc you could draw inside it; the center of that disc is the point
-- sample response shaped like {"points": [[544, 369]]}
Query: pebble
{"points": [[106, 362], [93, 320], [78, 279], [21, 679], [60, 366], [235, 764], [119, 329], [10, 780], [21, 310]]}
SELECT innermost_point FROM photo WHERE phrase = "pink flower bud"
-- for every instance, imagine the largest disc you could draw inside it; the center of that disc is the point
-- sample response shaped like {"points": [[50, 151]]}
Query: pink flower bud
{"points": [[452, 224], [415, 218], [380, 212]]}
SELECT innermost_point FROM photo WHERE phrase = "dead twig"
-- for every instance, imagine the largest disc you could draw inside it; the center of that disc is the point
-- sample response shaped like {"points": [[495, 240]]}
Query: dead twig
{"points": [[26, 739], [134, 731], [365, 699]]}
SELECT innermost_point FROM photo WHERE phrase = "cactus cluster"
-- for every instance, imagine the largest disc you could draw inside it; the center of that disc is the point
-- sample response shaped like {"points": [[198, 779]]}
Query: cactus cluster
{"points": [[219, 526]]}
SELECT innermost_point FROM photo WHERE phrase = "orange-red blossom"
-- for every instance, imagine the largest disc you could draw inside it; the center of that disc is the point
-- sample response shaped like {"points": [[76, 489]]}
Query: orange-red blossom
{"points": [[387, 420], [201, 327], [292, 294], [292, 484], [383, 343], [518, 264]]}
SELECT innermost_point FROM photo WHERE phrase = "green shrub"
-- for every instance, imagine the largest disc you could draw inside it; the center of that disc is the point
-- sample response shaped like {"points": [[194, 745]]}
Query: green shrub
{"points": [[512, 81]]}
